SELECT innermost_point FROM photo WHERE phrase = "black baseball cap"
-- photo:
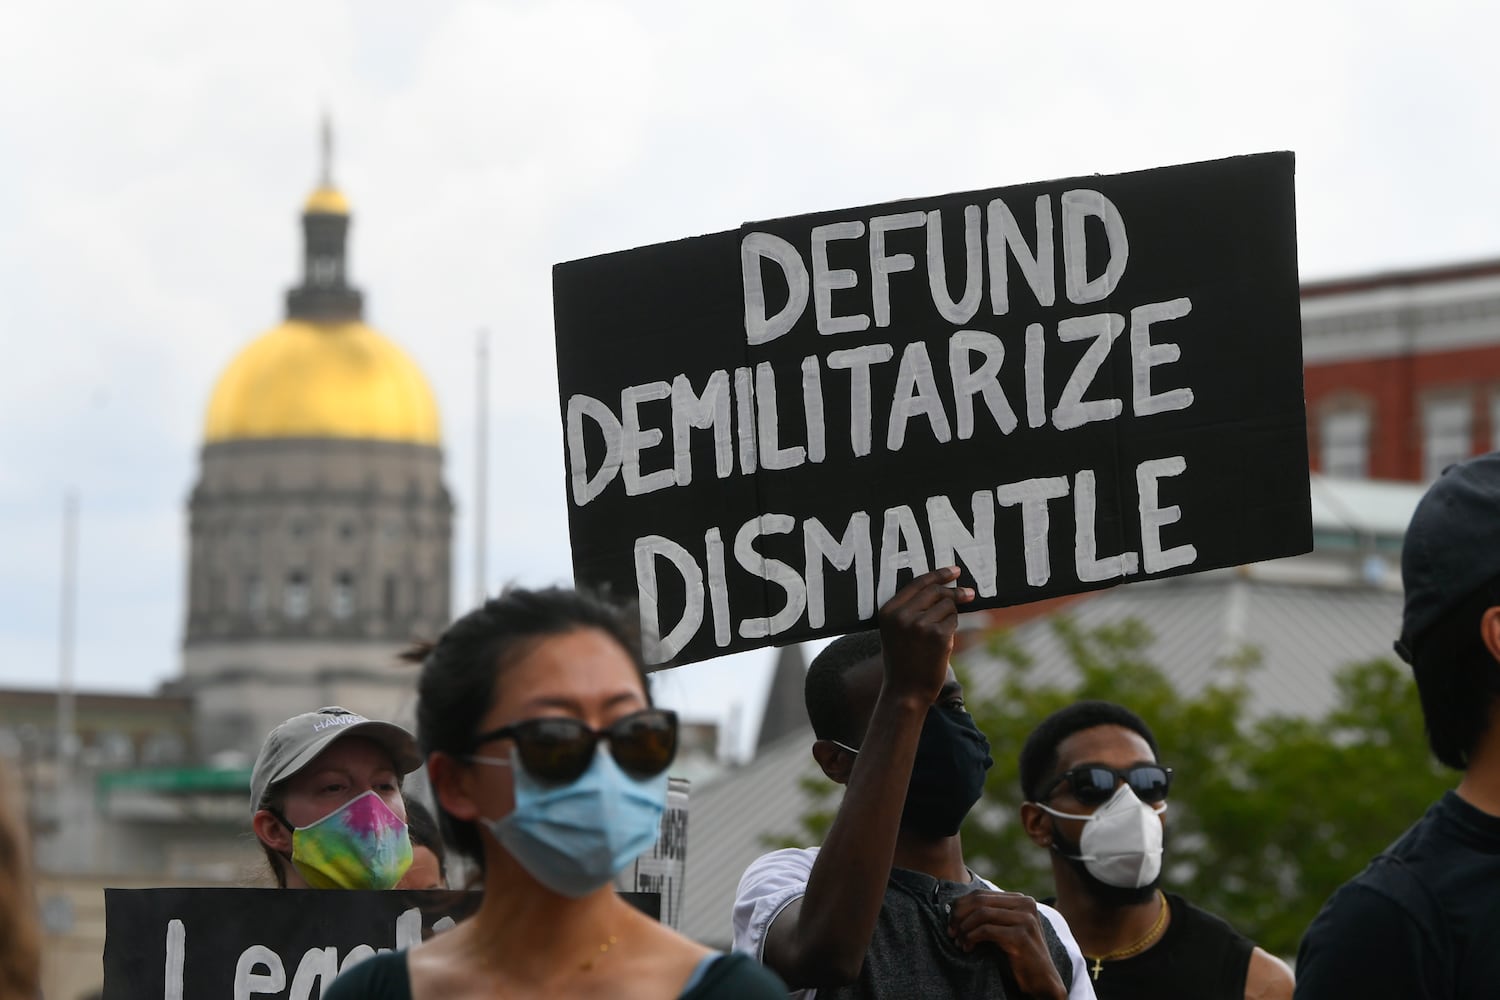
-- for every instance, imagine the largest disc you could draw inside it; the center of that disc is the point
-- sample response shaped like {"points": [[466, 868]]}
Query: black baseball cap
{"points": [[1452, 545]]}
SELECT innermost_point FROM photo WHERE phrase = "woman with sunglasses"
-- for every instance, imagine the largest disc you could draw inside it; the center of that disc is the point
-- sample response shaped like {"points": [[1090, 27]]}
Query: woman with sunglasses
{"points": [[549, 767]]}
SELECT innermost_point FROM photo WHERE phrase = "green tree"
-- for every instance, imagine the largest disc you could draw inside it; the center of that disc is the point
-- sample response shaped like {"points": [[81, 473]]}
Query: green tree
{"points": [[1268, 816]]}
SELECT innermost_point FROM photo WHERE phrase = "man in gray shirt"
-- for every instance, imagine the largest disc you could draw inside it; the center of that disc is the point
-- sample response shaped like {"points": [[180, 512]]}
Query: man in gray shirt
{"points": [[887, 907]]}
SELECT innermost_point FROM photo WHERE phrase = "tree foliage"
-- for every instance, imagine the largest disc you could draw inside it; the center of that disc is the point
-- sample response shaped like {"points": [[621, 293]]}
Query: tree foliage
{"points": [[1268, 815]]}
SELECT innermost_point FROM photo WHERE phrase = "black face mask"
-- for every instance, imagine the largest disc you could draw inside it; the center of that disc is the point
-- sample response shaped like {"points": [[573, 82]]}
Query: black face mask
{"points": [[947, 776]]}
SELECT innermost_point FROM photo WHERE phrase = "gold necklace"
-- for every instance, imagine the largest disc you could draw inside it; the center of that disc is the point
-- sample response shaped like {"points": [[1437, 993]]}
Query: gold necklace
{"points": [[1134, 949], [587, 964]]}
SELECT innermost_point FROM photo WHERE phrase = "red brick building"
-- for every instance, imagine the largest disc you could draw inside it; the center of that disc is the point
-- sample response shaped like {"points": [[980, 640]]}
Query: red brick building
{"points": [[1402, 370]]}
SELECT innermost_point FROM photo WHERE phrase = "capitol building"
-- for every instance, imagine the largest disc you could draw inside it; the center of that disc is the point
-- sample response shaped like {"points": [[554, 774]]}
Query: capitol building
{"points": [[320, 545]]}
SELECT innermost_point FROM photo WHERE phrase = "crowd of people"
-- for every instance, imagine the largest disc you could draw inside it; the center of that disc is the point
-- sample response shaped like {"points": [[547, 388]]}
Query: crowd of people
{"points": [[547, 763]]}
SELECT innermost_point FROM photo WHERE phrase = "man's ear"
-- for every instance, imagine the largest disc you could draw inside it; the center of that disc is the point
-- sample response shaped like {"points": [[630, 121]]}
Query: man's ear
{"points": [[1037, 824], [1489, 631], [271, 832], [450, 783], [835, 761]]}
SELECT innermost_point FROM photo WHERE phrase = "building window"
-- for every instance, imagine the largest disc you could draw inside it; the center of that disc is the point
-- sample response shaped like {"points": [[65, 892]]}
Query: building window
{"points": [[255, 596], [343, 595], [325, 270], [163, 749], [295, 599], [1345, 437], [1447, 433], [115, 749]]}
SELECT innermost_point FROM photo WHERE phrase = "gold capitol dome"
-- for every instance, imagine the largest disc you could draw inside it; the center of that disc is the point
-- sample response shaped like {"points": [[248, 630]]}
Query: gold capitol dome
{"points": [[323, 372]]}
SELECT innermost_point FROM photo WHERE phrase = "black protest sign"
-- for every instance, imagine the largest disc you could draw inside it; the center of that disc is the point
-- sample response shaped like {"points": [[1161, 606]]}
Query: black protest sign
{"points": [[1057, 386], [187, 943]]}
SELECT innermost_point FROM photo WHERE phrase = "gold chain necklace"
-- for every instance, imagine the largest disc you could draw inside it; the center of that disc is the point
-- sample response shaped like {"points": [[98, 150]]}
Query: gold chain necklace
{"points": [[1134, 949], [587, 965]]}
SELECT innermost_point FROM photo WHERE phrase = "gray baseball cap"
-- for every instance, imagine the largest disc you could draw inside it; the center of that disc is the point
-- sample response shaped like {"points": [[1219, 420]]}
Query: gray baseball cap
{"points": [[292, 745]]}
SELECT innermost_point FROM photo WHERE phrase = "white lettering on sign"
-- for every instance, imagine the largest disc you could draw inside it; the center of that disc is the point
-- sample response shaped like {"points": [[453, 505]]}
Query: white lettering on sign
{"points": [[708, 410], [1145, 355], [248, 982], [1032, 496], [883, 264], [176, 954], [857, 361], [260, 971], [1004, 244], [907, 545], [772, 571], [852, 550], [742, 412], [1077, 208], [635, 439], [1035, 264], [761, 328], [968, 381], [1071, 410], [1066, 360], [827, 280], [1154, 516], [963, 309]]}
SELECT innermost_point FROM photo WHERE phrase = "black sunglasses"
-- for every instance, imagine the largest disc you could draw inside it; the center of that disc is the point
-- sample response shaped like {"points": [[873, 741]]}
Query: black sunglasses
{"points": [[558, 749], [1093, 784]]}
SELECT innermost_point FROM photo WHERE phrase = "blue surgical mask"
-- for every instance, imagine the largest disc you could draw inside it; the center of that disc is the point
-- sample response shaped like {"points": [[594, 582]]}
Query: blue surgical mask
{"points": [[575, 838]]}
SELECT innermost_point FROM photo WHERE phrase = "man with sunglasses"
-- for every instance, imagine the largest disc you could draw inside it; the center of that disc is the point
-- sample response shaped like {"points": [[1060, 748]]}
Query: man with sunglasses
{"points": [[887, 908], [1096, 798], [1421, 921]]}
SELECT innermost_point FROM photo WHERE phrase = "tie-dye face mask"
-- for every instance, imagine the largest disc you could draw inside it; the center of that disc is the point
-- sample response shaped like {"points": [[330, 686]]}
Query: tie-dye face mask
{"points": [[362, 845]]}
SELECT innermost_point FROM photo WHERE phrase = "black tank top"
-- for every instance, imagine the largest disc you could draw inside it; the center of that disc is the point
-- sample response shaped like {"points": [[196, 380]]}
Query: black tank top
{"points": [[1200, 957]]}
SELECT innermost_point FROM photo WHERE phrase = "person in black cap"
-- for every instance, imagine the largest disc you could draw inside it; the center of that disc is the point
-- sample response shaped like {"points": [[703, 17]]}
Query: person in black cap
{"points": [[1421, 921], [325, 799]]}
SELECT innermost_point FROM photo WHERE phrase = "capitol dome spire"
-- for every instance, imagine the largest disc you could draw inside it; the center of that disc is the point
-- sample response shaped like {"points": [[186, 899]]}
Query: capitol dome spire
{"points": [[325, 293]]}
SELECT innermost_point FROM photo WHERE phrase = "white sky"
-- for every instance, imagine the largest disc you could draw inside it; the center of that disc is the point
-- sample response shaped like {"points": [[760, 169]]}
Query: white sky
{"points": [[154, 156]]}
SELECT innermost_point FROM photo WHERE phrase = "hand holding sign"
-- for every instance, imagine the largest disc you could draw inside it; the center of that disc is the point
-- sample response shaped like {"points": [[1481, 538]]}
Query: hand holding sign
{"points": [[916, 634]]}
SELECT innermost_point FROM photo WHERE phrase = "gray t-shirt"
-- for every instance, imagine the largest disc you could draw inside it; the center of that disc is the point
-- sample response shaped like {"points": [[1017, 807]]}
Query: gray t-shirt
{"points": [[911, 954]]}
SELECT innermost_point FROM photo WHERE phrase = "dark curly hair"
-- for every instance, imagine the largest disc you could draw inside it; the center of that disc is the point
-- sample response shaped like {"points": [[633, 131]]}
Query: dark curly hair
{"points": [[1039, 754], [824, 690]]}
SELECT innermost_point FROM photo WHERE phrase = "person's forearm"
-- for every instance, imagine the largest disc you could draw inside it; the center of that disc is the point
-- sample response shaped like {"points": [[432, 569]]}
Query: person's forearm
{"points": [[847, 885]]}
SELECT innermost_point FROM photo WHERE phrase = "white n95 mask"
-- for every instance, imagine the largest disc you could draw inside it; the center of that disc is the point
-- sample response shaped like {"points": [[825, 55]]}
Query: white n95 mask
{"points": [[1121, 841]]}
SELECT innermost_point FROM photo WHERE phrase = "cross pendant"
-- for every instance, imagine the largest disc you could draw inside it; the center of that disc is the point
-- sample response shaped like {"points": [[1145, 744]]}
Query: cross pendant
{"points": [[1098, 968]]}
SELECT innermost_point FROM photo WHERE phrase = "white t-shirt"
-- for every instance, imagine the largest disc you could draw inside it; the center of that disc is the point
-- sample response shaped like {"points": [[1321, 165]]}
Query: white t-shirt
{"points": [[774, 880]]}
